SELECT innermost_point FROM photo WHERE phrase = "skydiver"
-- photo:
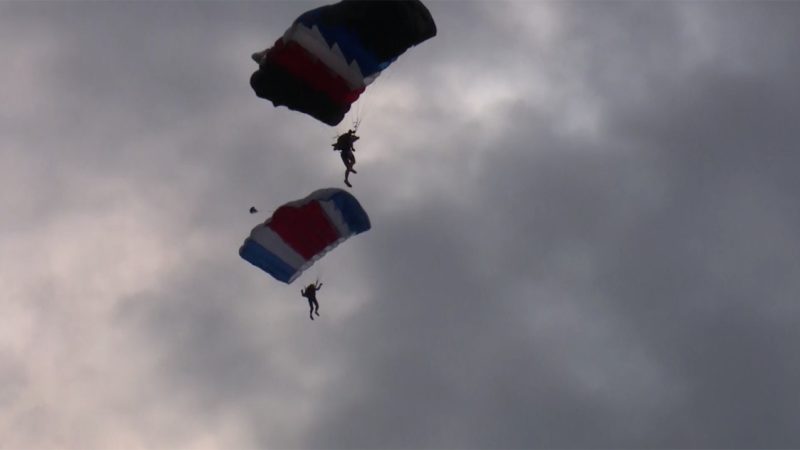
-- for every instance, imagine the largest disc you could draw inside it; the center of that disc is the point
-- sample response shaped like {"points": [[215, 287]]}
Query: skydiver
{"points": [[253, 210], [344, 144], [310, 292]]}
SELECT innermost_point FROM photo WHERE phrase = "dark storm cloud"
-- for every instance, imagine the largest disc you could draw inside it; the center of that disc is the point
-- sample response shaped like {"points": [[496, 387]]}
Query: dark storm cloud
{"points": [[673, 234], [157, 94], [144, 103], [584, 232], [217, 357]]}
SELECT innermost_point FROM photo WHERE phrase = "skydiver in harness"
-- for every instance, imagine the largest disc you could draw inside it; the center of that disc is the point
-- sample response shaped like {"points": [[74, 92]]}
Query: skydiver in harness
{"points": [[310, 292], [344, 144]]}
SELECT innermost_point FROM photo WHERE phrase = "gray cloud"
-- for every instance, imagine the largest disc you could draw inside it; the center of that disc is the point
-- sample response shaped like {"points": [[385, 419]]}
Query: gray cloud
{"points": [[583, 233]]}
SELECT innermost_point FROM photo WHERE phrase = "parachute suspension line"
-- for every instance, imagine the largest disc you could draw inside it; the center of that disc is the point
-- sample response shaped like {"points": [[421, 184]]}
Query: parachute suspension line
{"points": [[355, 112], [359, 115], [361, 112]]}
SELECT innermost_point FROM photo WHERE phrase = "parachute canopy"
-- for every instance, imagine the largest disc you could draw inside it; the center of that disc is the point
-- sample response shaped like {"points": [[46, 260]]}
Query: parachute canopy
{"points": [[302, 231], [329, 55]]}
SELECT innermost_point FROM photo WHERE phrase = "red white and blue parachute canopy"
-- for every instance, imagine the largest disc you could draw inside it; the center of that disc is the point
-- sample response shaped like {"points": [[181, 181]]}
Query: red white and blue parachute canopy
{"points": [[302, 231], [329, 55]]}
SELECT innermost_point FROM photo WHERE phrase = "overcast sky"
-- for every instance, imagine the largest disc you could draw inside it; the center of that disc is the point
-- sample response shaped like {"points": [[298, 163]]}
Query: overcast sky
{"points": [[585, 232]]}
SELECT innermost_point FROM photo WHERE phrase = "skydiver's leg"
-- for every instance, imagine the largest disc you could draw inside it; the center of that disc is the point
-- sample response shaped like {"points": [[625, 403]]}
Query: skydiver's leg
{"points": [[316, 307], [310, 309], [349, 160]]}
